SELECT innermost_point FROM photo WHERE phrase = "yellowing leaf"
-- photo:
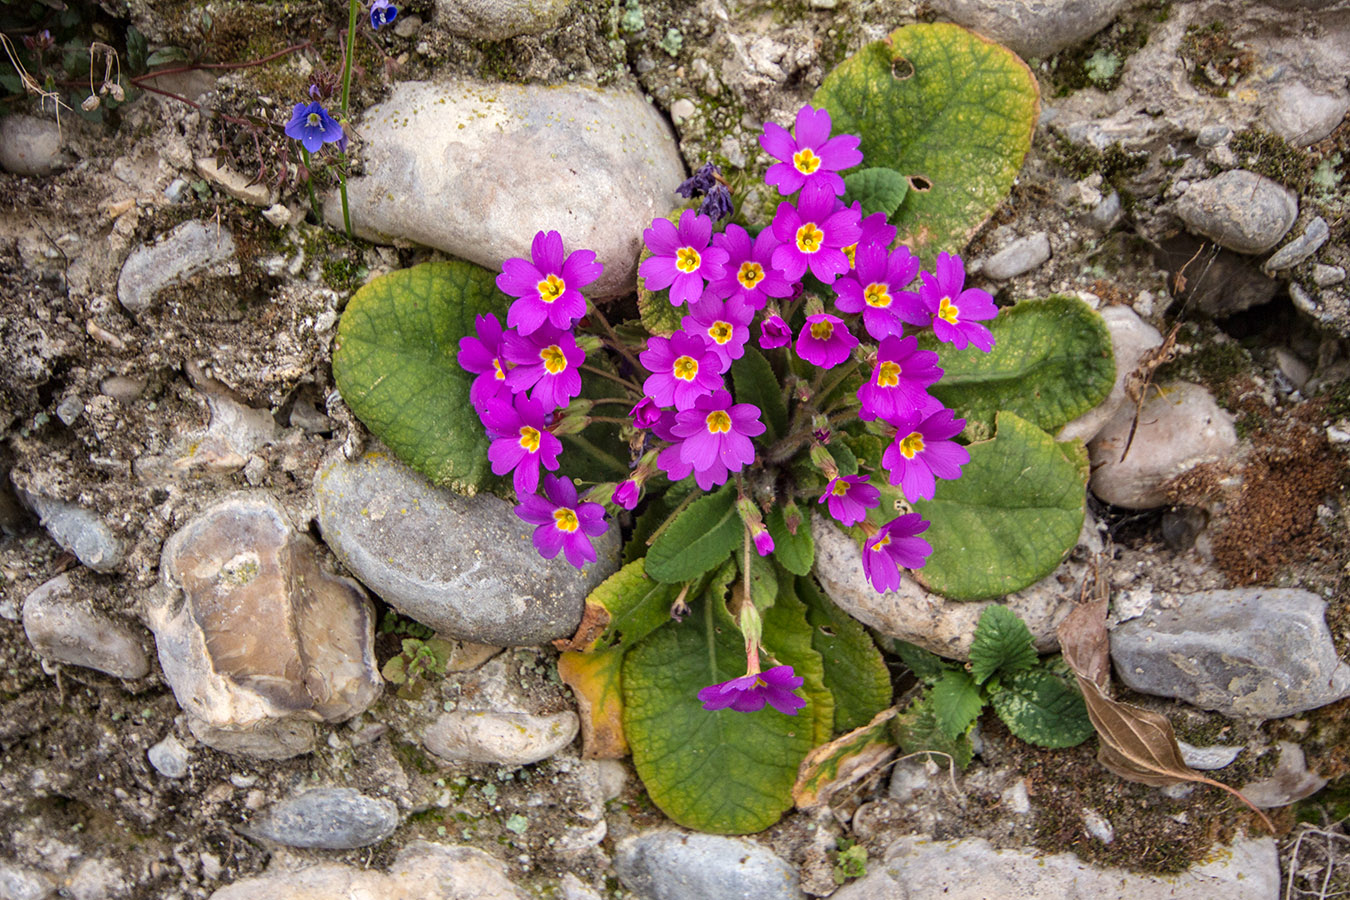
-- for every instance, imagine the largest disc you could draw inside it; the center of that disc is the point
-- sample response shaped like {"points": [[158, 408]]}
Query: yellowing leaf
{"points": [[595, 679]]}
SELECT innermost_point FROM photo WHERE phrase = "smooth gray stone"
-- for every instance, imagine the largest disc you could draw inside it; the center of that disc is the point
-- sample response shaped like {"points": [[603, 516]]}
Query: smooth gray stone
{"points": [[1301, 247], [500, 738], [1019, 257], [64, 629], [22, 883], [1212, 135], [328, 819], [1290, 782], [29, 145], [465, 566], [1239, 210], [1215, 756], [673, 865], [187, 249], [1302, 115], [1326, 276], [78, 530], [1263, 653], [497, 20], [169, 757], [1032, 29]]}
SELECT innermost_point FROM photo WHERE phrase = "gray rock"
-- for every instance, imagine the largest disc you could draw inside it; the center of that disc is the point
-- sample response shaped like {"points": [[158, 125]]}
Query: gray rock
{"points": [[1019, 257], [1239, 210], [21, 883], [169, 757], [421, 870], [497, 20], [255, 638], [500, 738], [188, 249], [1131, 338], [1211, 136], [1217, 282], [1179, 427], [1106, 214], [1303, 116], [335, 818], [464, 566], [594, 164], [78, 530], [1301, 247], [1263, 653], [1036, 29], [239, 186], [672, 865], [1288, 783], [62, 628], [407, 26], [918, 869], [29, 145], [1326, 276], [1208, 758], [70, 409]]}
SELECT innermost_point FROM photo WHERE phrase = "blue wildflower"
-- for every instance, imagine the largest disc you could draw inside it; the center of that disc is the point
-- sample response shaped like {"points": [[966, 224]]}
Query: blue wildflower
{"points": [[313, 127], [382, 13]]}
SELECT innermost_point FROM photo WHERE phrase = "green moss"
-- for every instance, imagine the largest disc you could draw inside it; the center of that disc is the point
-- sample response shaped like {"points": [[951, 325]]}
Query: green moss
{"points": [[413, 757], [1213, 363], [1214, 61], [1100, 61], [1269, 155]]}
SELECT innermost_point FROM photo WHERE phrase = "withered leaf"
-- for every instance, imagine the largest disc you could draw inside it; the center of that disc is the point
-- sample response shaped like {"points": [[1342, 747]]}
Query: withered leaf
{"points": [[844, 761]]}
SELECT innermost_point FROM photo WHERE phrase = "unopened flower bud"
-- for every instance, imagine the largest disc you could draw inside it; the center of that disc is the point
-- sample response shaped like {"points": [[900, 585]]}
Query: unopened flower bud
{"points": [[626, 494]]}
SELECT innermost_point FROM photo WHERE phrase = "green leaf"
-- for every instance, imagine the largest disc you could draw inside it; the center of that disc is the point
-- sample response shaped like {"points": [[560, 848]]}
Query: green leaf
{"points": [[956, 702], [1040, 708], [166, 55], [724, 772], [763, 579], [1002, 643], [658, 315], [1010, 519], [855, 673], [917, 729], [598, 453], [394, 363], [623, 609], [789, 640], [701, 538], [136, 50], [927, 667], [755, 383], [1052, 362], [878, 190], [940, 103], [794, 552]]}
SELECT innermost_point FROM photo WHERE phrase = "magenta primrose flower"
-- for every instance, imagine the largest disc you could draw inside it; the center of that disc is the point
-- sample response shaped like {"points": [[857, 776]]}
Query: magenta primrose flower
{"points": [[825, 341], [813, 236], [876, 288], [895, 547], [481, 355], [923, 452], [897, 388], [645, 413], [956, 312], [716, 437], [681, 258], [774, 332], [522, 441], [563, 523], [750, 692], [725, 326], [811, 157], [748, 276], [548, 285], [763, 542], [626, 494], [875, 230], [849, 498], [546, 363], [683, 369]]}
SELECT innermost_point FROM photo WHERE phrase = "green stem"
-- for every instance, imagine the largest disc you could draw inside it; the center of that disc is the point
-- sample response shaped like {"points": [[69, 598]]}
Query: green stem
{"points": [[607, 458], [603, 374], [689, 498], [615, 342], [309, 182], [612, 419], [352, 8]]}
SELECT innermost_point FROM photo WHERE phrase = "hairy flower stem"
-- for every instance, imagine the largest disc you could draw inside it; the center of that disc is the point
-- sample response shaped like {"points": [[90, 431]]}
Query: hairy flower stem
{"points": [[352, 8], [689, 498], [614, 339], [603, 374], [309, 182]]}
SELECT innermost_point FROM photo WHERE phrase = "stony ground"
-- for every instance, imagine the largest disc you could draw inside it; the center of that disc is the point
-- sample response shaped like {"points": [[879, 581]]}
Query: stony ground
{"points": [[148, 379]]}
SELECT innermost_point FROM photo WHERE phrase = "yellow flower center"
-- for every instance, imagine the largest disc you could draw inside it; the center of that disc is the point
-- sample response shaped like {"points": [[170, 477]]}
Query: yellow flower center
{"points": [[882, 542], [750, 274], [840, 488], [718, 422], [554, 360], [565, 519], [529, 439], [912, 445], [687, 259], [685, 368], [809, 238], [806, 161], [947, 310], [720, 331], [551, 288], [849, 251], [876, 296], [822, 330], [888, 374], [497, 372]]}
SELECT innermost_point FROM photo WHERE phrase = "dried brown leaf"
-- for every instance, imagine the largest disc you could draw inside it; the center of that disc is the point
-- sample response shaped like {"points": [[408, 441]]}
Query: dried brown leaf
{"points": [[844, 761]]}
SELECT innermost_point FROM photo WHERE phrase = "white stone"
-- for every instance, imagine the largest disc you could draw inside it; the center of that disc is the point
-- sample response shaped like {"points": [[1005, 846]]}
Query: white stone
{"points": [[29, 145], [497, 20], [237, 185], [1019, 257], [1131, 338], [169, 757], [188, 249], [500, 738]]}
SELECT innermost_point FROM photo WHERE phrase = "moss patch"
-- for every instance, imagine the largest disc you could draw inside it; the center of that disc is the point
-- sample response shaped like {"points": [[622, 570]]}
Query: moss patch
{"points": [[1215, 61], [1100, 61]]}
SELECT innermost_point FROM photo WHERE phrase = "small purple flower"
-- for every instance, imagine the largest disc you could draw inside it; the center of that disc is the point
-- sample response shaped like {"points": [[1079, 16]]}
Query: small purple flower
{"points": [[825, 341], [645, 413], [707, 183], [716, 437], [763, 542], [725, 326], [382, 13], [548, 285], [954, 311], [774, 332], [894, 547], [626, 493], [313, 127], [748, 277], [876, 288], [923, 452], [683, 369], [482, 356], [849, 497], [812, 157], [564, 524], [545, 363], [523, 442], [681, 258], [813, 235], [750, 692], [897, 388]]}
